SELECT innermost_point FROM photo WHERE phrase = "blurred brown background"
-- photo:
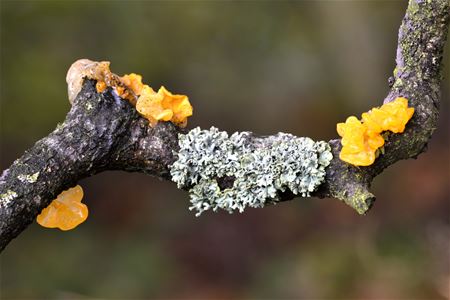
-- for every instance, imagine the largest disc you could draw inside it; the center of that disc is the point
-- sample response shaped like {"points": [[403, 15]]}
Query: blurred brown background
{"points": [[297, 67]]}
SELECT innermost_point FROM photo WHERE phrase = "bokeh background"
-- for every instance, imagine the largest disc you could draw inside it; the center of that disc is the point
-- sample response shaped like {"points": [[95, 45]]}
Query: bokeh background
{"points": [[297, 67]]}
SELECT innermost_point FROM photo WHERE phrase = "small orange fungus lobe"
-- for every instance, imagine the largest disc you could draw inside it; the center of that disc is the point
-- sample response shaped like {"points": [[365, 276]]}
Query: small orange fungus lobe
{"points": [[101, 86], [66, 211], [163, 106], [361, 139], [85, 68], [134, 82]]}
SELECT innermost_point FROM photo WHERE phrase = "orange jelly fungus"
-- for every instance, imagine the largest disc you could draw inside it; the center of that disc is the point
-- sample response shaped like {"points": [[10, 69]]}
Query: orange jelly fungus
{"points": [[101, 86], [154, 106], [66, 211], [361, 139], [163, 106], [134, 82]]}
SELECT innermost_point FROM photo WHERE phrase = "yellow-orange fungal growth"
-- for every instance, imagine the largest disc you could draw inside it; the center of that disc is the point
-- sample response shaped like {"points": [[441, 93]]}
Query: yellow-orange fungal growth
{"points": [[66, 211], [160, 106], [163, 106], [85, 68], [155, 106], [101, 86], [360, 140], [134, 82]]}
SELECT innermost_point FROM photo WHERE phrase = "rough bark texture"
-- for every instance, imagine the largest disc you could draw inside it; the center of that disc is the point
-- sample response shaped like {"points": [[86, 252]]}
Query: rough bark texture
{"points": [[103, 132]]}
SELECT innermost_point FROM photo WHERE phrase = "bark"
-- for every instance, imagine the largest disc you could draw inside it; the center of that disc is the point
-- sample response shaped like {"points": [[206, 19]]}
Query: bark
{"points": [[103, 132]]}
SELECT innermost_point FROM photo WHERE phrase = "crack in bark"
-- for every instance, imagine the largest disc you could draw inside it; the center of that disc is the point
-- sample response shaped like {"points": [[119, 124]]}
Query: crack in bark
{"points": [[102, 132]]}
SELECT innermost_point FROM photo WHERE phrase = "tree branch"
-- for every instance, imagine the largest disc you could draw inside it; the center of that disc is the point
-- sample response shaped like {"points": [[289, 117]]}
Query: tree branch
{"points": [[103, 132]]}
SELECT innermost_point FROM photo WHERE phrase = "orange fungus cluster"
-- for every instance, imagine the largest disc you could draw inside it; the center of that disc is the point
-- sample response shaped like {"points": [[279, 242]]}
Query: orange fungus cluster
{"points": [[361, 139], [154, 106], [163, 106], [66, 211]]}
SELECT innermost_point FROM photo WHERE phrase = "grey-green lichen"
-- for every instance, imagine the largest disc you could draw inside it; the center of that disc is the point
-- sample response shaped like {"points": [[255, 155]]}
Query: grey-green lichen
{"points": [[7, 197], [26, 178], [256, 169]]}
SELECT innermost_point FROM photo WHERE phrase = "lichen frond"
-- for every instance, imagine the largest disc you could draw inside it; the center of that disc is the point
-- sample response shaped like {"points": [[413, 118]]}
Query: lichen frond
{"points": [[259, 173]]}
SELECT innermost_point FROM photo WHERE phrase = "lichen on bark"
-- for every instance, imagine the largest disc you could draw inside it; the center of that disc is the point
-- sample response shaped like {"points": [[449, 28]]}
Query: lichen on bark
{"points": [[261, 168]]}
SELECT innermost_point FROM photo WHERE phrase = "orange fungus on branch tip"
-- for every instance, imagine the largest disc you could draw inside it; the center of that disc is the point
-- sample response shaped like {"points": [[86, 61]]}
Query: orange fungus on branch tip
{"points": [[134, 82], [101, 86], [66, 211], [163, 106], [154, 106], [361, 139]]}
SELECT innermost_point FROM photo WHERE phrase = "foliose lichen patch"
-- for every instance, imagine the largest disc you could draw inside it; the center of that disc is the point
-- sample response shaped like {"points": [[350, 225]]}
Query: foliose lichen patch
{"points": [[6, 198], [26, 178], [261, 168]]}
